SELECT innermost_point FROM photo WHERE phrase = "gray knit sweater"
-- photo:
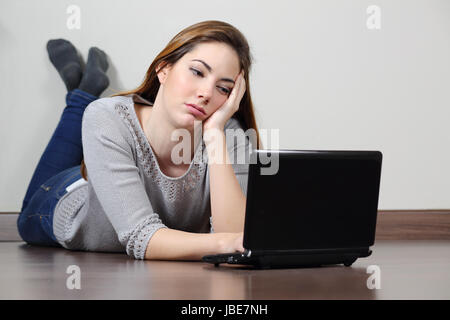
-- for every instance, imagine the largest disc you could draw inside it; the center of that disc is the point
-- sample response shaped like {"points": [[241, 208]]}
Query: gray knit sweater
{"points": [[127, 198]]}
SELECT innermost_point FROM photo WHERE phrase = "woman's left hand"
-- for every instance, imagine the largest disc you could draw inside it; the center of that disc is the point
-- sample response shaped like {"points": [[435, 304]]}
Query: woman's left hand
{"points": [[220, 117]]}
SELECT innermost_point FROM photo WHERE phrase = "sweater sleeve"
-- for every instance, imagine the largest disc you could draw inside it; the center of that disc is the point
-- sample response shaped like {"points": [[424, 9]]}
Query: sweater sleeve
{"points": [[112, 171]]}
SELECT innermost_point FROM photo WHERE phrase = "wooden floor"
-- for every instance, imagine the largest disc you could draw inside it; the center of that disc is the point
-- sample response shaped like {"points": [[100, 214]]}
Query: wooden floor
{"points": [[412, 251], [409, 269]]}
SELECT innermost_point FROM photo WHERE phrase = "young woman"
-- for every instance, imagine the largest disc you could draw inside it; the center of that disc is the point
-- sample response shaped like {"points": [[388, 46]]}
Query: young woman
{"points": [[131, 193]]}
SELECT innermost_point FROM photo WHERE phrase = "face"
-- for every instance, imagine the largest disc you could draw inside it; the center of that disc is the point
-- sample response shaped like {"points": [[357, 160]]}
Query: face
{"points": [[203, 77]]}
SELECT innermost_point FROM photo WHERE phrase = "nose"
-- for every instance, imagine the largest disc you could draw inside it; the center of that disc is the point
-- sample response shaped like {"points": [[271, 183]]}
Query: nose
{"points": [[205, 93]]}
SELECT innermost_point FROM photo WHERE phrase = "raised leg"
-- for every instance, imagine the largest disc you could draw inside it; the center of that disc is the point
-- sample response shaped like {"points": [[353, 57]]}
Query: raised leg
{"points": [[64, 149]]}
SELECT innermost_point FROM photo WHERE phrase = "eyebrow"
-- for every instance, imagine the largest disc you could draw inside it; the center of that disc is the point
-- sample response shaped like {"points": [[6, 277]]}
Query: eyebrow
{"points": [[210, 69]]}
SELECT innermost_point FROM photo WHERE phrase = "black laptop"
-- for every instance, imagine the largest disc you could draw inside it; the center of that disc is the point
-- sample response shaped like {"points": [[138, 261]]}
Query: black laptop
{"points": [[308, 208]]}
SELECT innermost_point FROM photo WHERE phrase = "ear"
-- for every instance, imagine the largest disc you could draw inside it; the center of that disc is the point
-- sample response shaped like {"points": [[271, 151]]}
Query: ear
{"points": [[162, 73]]}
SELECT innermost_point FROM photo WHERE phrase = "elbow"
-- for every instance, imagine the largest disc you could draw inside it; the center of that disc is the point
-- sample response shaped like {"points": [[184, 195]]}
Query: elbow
{"points": [[154, 250], [140, 246]]}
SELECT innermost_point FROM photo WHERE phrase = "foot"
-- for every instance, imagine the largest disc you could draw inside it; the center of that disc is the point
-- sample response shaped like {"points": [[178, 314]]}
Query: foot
{"points": [[95, 80], [64, 57]]}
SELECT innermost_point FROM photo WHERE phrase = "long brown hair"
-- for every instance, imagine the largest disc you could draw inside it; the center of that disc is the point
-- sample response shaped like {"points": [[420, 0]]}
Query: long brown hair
{"points": [[184, 42]]}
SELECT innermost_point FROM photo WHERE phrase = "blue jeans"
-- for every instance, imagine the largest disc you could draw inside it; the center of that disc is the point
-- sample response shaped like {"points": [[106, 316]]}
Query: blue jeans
{"points": [[58, 167]]}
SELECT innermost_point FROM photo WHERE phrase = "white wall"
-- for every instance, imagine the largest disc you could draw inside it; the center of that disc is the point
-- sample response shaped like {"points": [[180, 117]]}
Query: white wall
{"points": [[320, 76]]}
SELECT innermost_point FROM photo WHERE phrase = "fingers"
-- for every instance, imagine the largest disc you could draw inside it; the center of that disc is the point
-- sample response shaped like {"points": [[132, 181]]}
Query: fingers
{"points": [[237, 85], [242, 85], [240, 82], [240, 242], [238, 90]]}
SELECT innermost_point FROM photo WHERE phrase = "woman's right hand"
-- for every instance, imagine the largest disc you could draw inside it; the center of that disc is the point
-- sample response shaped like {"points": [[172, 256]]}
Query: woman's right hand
{"points": [[231, 242]]}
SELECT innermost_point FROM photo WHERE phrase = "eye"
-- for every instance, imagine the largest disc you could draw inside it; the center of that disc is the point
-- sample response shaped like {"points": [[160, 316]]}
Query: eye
{"points": [[224, 90], [196, 72]]}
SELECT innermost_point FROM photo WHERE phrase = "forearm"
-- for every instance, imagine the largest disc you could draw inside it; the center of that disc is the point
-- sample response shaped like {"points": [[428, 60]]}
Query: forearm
{"points": [[227, 199], [171, 244]]}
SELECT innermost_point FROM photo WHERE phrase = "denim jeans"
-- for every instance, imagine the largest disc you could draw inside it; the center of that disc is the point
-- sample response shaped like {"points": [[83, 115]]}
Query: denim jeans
{"points": [[58, 167]]}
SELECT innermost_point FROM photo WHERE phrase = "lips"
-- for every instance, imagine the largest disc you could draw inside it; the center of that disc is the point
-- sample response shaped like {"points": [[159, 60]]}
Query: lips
{"points": [[196, 107]]}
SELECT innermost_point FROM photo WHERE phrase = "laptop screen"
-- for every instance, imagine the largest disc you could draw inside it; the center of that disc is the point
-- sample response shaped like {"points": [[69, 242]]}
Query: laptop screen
{"points": [[316, 200]]}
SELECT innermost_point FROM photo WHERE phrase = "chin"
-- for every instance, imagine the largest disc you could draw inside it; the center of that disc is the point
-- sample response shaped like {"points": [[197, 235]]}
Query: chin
{"points": [[187, 121]]}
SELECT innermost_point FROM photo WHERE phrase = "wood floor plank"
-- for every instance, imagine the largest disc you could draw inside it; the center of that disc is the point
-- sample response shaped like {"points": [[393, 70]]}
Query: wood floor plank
{"points": [[391, 225]]}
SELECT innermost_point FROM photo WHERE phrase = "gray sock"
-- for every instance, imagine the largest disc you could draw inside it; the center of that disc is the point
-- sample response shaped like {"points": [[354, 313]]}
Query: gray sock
{"points": [[95, 80], [64, 57]]}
